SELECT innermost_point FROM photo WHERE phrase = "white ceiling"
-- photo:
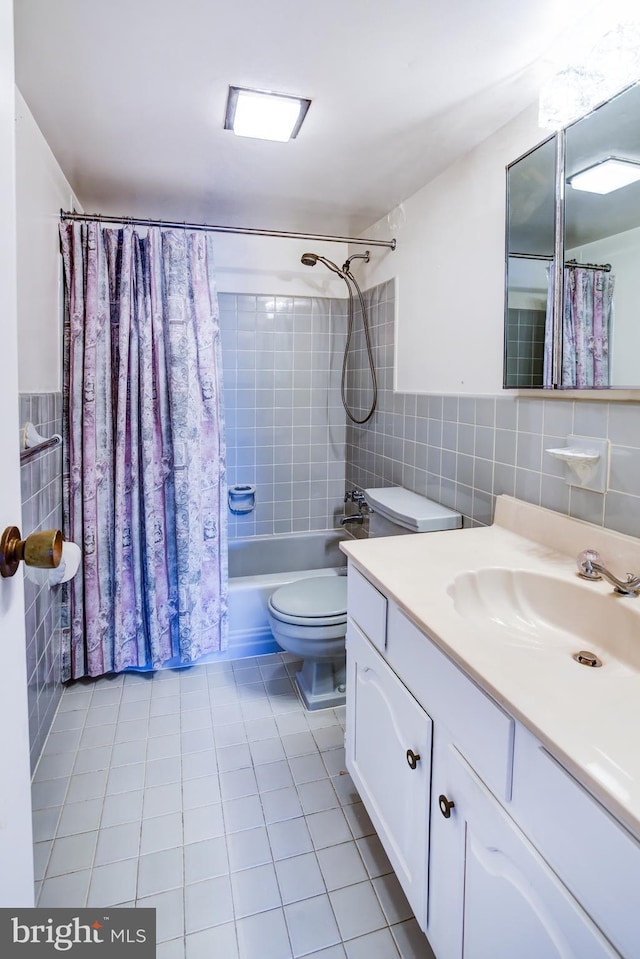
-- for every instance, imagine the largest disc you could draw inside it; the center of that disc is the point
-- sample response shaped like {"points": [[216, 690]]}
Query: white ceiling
{"points": [[131, 94]]}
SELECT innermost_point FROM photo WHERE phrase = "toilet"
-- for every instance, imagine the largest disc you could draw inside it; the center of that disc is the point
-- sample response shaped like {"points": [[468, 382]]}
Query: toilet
{"points": [[308, 617]]}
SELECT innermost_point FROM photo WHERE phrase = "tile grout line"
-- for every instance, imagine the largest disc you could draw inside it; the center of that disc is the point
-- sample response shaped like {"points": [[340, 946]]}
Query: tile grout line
{"points": [[338, 802]]}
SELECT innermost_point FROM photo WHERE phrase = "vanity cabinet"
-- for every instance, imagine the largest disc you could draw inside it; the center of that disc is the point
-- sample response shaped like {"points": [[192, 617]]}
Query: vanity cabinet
{"points": [[388, 746], [492, 894], [476, 816]]}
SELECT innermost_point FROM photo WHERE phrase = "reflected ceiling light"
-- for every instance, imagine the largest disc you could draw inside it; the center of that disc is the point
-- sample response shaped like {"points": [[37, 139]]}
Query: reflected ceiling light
{"points": [[612, 64], [605, 177], [264, 115]]}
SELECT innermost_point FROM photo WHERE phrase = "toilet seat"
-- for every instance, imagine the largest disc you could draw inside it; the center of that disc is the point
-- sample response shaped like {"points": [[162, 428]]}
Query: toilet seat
{"points": [[318, 601]]}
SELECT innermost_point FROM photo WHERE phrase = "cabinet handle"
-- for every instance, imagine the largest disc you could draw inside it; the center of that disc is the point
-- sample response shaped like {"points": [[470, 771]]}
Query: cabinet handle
{"points": [[446, 805], [412, 758]]}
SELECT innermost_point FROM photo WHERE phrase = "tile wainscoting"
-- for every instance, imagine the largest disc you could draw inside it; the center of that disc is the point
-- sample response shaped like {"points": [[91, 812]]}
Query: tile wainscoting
{"points": [[463, 450], [41, 483]]}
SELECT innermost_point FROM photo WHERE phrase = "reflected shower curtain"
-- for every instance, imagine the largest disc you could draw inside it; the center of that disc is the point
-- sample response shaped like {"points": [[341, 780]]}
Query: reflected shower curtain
{"points": [[144, 456], [586, 325], [588, 303]]}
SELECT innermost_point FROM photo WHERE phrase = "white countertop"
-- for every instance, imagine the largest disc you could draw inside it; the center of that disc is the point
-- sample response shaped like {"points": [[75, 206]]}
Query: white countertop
{"points": [[588, 718]]}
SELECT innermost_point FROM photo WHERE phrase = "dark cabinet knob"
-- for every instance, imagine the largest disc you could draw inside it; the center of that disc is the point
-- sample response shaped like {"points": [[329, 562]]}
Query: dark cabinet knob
{"points": [[412, 758], [446, 805]]}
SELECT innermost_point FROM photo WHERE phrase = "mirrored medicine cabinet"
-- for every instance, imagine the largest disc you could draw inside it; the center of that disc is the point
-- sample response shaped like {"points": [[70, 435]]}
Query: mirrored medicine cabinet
{"points": [[574, 200]]}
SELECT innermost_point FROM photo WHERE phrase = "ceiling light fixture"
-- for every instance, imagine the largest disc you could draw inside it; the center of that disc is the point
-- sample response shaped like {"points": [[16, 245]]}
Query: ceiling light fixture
{"points": [[605, 177], [264, 115]]}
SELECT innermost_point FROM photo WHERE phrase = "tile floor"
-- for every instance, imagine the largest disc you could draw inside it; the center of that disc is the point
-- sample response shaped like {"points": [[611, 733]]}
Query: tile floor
{"points": [[212, 795]]}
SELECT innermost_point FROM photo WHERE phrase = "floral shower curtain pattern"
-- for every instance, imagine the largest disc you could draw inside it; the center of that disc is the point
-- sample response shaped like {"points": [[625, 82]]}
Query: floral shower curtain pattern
{"points": [[144, 456], [588, 305], [586, 328]]}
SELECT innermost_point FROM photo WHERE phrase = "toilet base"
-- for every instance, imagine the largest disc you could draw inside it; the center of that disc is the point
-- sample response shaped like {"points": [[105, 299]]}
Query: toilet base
{"points": [[322, 683]]}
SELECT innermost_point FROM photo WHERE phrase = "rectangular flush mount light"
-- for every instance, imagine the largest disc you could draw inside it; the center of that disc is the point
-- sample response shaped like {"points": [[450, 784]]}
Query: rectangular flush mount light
{"points": [[267, 116], [605, 177]]}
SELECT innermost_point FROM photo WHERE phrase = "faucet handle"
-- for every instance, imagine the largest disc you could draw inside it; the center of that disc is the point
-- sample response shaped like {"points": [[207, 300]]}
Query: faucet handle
{"points": [[585, 562]]}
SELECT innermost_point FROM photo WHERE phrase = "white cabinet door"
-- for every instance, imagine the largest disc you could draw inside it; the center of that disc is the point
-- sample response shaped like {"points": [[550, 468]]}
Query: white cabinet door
{"points": [[388, 744], [511, 902]]}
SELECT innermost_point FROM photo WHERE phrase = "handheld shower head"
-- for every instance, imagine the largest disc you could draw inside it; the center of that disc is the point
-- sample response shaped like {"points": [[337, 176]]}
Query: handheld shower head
{"points": [[310, 259]]}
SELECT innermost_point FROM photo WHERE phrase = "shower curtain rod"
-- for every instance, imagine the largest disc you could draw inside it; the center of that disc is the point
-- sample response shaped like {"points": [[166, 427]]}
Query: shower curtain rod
{"points": [[574, 265], [570, 264], [213, 228]]}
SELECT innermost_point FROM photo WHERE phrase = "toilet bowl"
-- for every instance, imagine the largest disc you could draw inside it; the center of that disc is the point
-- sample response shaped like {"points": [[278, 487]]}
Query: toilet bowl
{"points": [[309, 617]]}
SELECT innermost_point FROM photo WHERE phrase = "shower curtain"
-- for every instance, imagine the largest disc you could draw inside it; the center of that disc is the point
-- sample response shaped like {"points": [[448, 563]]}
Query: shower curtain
{"points": [[586, 326], [144, 456]]}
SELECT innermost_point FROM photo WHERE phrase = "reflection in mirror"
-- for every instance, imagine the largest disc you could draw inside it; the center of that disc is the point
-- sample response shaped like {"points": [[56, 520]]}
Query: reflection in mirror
{"points": [[601, 328], [530, 245]]}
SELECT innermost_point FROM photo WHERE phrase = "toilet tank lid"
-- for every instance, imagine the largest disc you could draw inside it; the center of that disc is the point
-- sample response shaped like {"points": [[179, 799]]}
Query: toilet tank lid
{"points": [[411, 510]]}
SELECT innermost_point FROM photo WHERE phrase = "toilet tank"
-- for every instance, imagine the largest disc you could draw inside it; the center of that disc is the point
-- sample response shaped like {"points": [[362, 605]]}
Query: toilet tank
{"points": [[397, 510]]}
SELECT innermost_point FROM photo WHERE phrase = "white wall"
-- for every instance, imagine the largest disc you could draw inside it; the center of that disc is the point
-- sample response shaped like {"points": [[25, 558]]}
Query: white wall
{"points": [[449, 266], [623, 252], [250, 264], [244, 264], [41, 191]]}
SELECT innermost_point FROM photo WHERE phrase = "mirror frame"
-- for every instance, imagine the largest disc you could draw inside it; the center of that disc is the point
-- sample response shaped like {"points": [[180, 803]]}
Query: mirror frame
{"points": [[558, 252], [621, 392]]}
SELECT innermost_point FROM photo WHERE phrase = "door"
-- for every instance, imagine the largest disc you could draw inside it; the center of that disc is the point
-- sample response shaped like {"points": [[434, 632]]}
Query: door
{"points": [[511, 903], [16, 853], [388, 754]]}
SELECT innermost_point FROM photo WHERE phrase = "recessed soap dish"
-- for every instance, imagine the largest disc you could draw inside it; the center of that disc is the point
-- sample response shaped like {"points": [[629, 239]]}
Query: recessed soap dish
{"points": [[587, 462]]}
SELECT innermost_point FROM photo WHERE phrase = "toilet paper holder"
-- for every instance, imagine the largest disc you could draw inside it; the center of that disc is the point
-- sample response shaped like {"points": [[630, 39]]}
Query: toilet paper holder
{"points": [[42, 550]]}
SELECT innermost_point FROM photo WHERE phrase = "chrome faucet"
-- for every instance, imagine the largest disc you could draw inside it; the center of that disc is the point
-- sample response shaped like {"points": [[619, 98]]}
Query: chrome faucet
{"points": [[590, 567], [355, 496], [353, 518]]}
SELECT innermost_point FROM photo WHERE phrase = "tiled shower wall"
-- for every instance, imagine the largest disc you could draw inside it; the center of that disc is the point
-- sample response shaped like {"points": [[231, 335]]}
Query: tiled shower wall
{"points": [[525, 347], [462, 451], [285, 425], [41, 481]]}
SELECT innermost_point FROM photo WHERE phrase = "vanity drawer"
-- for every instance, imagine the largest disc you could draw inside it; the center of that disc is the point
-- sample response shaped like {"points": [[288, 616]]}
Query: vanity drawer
{"points": [[478, 727], [596, 858], [367, 607]]}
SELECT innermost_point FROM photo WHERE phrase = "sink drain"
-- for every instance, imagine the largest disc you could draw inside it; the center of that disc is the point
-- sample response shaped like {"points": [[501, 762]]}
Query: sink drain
{"points": [[585, 658]]}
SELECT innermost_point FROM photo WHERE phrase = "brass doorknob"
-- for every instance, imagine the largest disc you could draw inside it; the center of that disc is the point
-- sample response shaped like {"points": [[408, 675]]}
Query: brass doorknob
{"points": [[42, 549]]}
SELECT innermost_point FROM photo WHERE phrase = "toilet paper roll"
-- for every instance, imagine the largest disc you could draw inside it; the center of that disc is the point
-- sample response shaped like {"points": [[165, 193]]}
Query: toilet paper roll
{"points": [[69, 564], [66, 570], [242, 498]]}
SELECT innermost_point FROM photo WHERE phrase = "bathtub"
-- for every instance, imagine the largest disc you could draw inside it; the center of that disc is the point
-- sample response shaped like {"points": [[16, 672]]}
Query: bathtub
{"points": [[258, 565]]}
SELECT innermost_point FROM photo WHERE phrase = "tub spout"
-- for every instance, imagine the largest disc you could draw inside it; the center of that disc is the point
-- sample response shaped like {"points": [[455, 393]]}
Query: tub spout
{"points": [[355, 518]]}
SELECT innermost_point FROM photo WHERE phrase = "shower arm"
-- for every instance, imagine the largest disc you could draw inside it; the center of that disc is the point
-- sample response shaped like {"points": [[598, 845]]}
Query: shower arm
{"points": [[355, 256]]}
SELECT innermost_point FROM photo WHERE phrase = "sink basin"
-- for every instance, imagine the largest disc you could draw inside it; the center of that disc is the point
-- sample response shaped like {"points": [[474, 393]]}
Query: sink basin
{"points": [[544, 612]]}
